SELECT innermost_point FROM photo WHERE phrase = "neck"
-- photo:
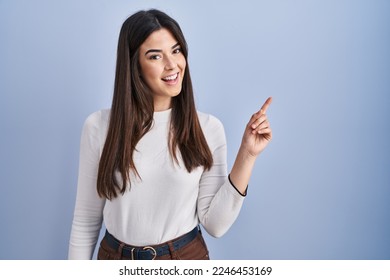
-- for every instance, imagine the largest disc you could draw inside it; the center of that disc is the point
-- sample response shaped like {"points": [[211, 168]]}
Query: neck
{"points": [[162, 104]]}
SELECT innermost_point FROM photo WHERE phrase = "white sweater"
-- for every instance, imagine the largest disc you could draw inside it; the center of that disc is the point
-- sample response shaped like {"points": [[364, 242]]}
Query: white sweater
{"points": [[165, 202]]}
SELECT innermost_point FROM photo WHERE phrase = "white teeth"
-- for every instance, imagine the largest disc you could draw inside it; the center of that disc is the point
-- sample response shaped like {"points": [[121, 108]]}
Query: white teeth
{"points": [[170, 78]]}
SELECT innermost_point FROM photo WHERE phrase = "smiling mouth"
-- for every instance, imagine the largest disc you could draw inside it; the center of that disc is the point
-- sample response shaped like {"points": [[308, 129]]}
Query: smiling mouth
{"points": [[171, 78]]}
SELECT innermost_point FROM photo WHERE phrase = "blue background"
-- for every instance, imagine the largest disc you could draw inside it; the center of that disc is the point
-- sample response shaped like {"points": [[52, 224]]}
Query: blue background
{"points": [[319, 191]]}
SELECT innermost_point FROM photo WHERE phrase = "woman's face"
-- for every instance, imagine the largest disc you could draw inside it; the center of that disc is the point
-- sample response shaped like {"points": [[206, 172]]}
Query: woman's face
{"points": [[162, 67]]}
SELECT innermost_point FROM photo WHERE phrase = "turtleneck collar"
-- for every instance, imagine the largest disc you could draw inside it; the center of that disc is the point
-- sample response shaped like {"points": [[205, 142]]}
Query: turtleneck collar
{"points": [[162, 116]]}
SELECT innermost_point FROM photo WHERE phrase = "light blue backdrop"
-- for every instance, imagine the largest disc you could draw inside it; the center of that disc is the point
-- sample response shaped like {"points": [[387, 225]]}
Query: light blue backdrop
{"points": [[319, 191]]}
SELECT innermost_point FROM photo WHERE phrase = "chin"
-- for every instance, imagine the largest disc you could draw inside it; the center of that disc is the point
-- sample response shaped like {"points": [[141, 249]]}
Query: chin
{"points": [[175, 93]]}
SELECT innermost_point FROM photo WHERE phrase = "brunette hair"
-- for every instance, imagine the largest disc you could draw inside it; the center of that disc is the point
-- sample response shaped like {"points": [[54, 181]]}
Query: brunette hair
{"points": [[132, 109]]}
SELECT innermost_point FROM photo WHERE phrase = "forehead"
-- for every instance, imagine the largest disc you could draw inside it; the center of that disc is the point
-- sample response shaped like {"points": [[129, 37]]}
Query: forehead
{"points": [[159, 39]]}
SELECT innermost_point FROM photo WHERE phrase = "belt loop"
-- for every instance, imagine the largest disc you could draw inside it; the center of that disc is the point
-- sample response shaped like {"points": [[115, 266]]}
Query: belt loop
{"points": [[120, 250], [172, 251], [132, 254]]}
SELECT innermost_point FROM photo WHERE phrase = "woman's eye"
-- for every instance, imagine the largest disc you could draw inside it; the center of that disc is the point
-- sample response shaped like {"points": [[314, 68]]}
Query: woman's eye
{"points": [[178, 50], [155, 57]]}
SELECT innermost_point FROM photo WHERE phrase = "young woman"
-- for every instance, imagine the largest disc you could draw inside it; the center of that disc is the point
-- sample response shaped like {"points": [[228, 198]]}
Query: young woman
{"points": [[153, 168]]}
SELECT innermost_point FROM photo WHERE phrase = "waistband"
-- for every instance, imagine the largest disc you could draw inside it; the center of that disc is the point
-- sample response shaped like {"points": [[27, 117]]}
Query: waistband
{"points": [[150, 252]]}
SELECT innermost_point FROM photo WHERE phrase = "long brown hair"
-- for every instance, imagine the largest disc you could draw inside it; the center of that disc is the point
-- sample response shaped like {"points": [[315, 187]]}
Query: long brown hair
{"points": [[132, 109]]}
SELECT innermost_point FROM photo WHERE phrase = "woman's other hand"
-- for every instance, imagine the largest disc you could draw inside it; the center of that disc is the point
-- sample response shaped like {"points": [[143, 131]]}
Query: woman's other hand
{"points": [[258, 131]]}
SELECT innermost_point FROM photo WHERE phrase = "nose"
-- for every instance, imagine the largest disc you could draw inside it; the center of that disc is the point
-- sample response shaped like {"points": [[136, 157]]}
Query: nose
{"points": [[170, 63]]}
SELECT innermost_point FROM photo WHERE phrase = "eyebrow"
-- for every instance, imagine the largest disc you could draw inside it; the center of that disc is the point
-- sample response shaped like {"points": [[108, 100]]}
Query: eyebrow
{"points": [[159, 51]]}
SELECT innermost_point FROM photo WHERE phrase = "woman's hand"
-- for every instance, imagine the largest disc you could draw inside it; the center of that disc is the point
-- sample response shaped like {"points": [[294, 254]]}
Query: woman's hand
{"points": [[257, 135], [258, 131]]}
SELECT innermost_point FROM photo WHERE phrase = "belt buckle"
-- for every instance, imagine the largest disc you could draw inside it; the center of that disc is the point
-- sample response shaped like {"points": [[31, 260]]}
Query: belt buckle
{"points": [[154, 253]]}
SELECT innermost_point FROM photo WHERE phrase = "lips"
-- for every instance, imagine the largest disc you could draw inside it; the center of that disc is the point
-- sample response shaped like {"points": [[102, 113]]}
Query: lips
{"points": [[171, 78]]}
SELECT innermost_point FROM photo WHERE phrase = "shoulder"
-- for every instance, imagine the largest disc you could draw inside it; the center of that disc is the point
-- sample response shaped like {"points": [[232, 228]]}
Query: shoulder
{"points": [[212, 129], [98, 119], [208, 121], [97, 123]]}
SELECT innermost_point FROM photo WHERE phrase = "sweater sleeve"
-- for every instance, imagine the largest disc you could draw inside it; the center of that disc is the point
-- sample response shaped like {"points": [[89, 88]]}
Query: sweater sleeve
{"points": [[219, 203], [88, 213]]}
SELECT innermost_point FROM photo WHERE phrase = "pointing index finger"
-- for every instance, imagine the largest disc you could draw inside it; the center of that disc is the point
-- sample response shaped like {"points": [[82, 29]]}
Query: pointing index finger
{"points": [[266, 105]]}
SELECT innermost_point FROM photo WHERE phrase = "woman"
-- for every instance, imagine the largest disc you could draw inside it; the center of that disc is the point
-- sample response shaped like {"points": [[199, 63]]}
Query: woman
{"points": [[152, 167]]}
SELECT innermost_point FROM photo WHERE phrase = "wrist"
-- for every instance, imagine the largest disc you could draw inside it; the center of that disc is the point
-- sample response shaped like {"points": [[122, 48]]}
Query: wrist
{"points": [[246, 155]]}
